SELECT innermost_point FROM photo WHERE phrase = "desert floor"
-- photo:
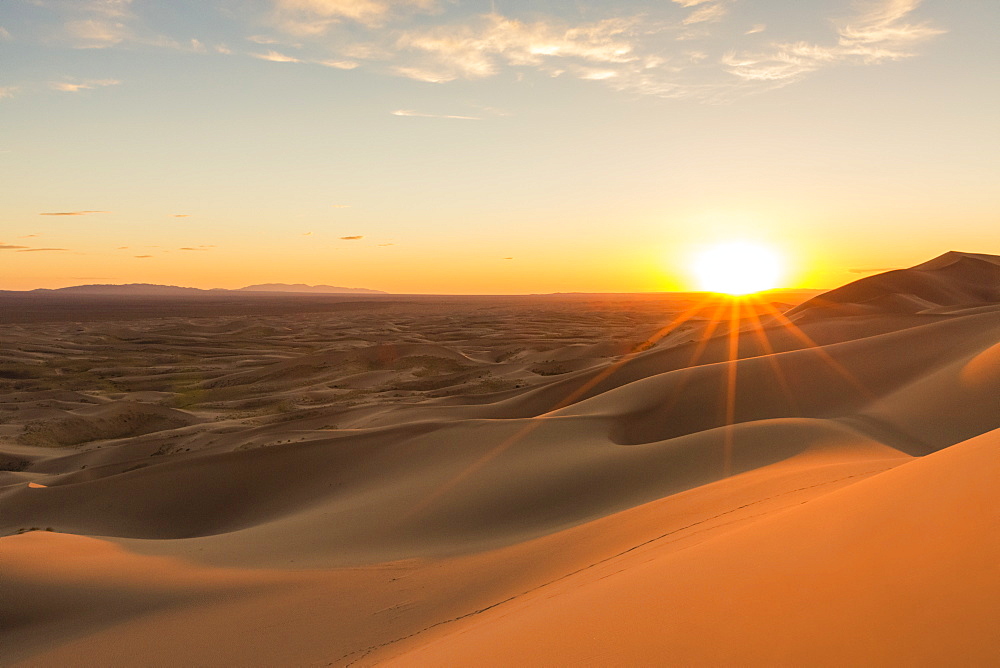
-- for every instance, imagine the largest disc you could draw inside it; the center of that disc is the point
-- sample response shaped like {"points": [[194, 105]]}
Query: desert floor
{"points": [[551, 480]]}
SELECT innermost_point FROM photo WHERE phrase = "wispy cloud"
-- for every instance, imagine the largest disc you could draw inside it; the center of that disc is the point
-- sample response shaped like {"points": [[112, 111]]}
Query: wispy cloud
{"points": [[182, 215], [682, 48], [104, 24], [877, 33], [479, 48], [338, 64], [707, 12], [353, 238], [142, 257], [276, 57], [71, 213], [420, 114], [316, 17], [263, 39], [7, 91], [96, 34], [10, 247], [37, 250], [71, 87]]}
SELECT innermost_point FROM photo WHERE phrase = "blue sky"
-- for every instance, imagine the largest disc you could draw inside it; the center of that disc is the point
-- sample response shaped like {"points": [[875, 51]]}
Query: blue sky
{"points": [[598, 145]]}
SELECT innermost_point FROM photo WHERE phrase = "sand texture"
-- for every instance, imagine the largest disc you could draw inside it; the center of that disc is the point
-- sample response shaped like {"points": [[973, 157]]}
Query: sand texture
{"points": [[791, 479]]}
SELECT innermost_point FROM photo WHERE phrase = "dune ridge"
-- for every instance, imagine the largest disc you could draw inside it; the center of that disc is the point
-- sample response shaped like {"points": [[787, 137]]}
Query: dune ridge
{"points": [[435, 478]]}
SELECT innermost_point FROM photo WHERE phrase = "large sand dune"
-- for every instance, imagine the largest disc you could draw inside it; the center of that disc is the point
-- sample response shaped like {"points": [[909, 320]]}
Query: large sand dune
{"points": [[510, 481]]}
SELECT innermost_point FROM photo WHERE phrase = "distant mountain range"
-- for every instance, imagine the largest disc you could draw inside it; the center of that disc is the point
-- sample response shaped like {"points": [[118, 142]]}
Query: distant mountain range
{"points": [[173, 290], [302, 287]]}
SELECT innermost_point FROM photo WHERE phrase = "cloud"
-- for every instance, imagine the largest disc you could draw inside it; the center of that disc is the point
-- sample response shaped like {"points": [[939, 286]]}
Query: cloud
{"points": [[879, 32], [876, 270], [69, 87], [676, 49], [191, 248], [122, 248], [142, 256], [598, 75], [104, 24], [4, 33], [316, 17], [307, 234], [263, 39], [276, 57], [7, 91], [96, 33], [478, 49], [29, 236], [359, 236], [419, 114], [182, 215], [338, 64], [10, 247], [71, 213], [35, 250], [708, 13]]}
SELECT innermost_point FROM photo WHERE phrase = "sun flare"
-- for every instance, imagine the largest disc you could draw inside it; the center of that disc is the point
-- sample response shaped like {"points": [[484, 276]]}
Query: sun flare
{"points": [[737, 268]]}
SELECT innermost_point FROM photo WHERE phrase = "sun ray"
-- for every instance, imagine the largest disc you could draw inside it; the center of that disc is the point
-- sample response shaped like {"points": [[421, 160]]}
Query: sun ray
{"points": [[837, 367], [731, 371], [537, 421], [757, 327], [652, 340], [703, 340]]}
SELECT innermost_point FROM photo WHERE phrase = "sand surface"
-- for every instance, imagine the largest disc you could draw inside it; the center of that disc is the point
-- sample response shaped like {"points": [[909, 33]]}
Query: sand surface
{"points": [[550, 480]]}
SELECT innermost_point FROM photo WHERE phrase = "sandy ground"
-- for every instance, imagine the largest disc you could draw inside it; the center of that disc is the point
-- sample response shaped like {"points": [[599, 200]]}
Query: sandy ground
{"points": [[551, 480]]}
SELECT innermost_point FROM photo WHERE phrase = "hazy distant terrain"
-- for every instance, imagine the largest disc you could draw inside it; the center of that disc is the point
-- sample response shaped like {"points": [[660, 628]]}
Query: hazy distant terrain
{"points": [[148, 289], [302, 287], [608, 479]]}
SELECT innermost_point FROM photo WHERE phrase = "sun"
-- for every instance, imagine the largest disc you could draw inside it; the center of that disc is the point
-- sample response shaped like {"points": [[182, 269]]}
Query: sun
{"points": [[737, 268]]}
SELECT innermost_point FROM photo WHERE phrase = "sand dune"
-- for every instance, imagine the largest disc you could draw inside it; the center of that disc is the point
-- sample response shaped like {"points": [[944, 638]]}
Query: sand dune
{"points": [[559, 479], [950, 280], [898, 569]]}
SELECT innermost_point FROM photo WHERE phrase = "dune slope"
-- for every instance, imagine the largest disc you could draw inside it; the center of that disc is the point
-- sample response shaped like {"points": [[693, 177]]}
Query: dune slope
{"points": [[898, 569]]}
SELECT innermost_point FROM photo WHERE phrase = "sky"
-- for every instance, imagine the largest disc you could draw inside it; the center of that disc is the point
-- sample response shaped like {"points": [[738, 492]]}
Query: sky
{"points": [[491, 146]]}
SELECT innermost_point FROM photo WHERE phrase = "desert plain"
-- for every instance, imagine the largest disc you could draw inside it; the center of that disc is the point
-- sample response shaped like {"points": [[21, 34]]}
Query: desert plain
{"points": [[654, 479]]}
